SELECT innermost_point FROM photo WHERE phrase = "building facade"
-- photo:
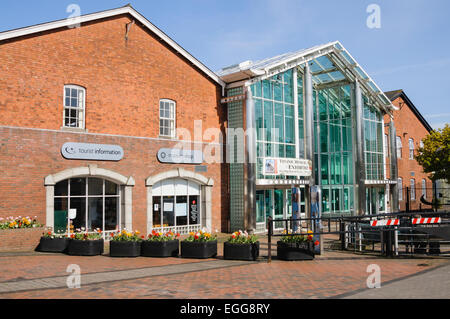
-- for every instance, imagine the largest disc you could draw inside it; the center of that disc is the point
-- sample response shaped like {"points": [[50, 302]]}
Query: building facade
{"points": [[89, 116], [315, 106], [411, 129]]}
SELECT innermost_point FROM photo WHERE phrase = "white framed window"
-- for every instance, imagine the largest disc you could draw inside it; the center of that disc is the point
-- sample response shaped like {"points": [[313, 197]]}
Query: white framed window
{"points": [[399, 147], [400, 188], [413, 188], [411, 148], [74, 106], [167, 117], [424, 188]]}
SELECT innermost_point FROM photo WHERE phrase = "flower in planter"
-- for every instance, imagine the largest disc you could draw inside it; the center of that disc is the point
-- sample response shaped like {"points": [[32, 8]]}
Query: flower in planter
{"points": [[124, 235], [159, 236], [18, 222], [290, 237], [96, 235], [240, 237], [201, 236], [50, 234]]}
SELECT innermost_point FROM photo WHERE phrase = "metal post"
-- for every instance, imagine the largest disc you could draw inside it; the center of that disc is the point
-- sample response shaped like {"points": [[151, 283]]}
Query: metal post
{"points": [[269, 239], [250, 153], [360, 172], [396, 240], [394, 167]]}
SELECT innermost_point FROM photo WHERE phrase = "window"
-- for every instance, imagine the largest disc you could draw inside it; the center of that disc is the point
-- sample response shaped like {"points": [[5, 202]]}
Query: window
{"points": [[96, 201], [176, 205], [400, 188], [411, 149], [413, 189], [167, 111], [424, 188], [399, 147], [74, 105]]}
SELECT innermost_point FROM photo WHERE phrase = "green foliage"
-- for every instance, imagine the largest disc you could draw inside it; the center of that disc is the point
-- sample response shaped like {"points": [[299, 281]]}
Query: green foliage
{"points": [[434, 156]]}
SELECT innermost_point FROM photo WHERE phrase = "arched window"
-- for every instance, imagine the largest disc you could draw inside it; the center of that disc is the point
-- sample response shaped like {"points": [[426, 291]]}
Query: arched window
{"points": [[413, 188], [411, 148], [96, 202], [400, 188], [74, 106], [167, 116], [176, 205]]}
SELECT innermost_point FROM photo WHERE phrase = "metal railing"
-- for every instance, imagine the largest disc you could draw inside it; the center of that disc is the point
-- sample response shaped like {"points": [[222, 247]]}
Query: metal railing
{"points": [[358, 234]]}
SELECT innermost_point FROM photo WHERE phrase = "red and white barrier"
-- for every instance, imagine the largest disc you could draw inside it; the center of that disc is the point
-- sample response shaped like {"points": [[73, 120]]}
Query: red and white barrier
{"points": [[385, 222], [429, 220]]}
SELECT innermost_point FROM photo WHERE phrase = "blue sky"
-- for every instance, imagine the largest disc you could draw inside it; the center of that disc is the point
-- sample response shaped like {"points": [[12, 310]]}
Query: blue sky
{"points": [[410, 51]]}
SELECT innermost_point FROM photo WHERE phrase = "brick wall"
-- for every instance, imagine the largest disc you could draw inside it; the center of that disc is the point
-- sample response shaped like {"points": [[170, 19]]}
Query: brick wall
{"points": [[27, 156], [23, 239], [124, 81], [408, 126]]}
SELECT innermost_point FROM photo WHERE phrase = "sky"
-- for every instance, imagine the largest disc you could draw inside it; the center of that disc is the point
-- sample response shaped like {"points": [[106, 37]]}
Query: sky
{"points": [[409, 50]]}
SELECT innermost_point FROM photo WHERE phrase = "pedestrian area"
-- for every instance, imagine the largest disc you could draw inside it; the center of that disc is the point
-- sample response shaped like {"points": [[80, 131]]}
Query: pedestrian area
{"points": [[332, 274]]}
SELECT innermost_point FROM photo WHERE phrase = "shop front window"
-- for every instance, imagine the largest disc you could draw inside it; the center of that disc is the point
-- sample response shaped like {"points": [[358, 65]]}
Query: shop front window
{"points": [[96, 203], [176, 205]]}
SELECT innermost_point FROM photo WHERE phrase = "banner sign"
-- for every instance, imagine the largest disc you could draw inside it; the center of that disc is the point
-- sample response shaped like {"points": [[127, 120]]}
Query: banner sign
{"points": [[95, 152], [287, 167]]}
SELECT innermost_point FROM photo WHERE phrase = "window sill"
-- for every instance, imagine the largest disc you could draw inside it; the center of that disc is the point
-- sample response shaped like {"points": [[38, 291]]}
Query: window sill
{"points": [[167, 137], [74, 129]]}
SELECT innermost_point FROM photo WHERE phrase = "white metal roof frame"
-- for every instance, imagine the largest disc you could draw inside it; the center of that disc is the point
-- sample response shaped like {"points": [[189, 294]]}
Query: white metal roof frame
{"points": [[128, 9], [348, 66]]}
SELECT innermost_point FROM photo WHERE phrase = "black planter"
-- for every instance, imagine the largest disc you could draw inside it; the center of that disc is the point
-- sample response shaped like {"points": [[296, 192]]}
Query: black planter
{"points": [[124, 248], [420, 248], [435, 248], [53, 245], [295, 251], [160, 248], [85, 247], [241, 251], [200, 250]]}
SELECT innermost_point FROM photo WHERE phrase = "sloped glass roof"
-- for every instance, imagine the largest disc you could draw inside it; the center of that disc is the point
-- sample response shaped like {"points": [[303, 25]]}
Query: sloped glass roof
{"points": [[328, 63]]}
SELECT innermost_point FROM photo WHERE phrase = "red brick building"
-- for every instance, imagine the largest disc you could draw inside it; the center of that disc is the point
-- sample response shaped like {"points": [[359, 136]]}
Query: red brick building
{"points": [[411, 129], [116, 89]]}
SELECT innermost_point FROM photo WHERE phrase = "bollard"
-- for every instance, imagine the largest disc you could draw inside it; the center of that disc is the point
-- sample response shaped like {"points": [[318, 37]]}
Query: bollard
{"points": [[269, 239]]}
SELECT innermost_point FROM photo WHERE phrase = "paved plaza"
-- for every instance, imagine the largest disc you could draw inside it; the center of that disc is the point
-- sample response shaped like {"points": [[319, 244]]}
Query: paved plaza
{"points": [[333, 274]]}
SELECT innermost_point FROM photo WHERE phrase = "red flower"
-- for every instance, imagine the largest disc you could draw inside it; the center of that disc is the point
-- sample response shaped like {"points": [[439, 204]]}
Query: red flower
{"points": [[316, 243], [142, 236], [196, 236], [178, 234]]}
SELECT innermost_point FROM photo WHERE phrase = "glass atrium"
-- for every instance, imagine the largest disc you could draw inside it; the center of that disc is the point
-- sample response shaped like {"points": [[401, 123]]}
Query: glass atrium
{"points": [[315, 104]]}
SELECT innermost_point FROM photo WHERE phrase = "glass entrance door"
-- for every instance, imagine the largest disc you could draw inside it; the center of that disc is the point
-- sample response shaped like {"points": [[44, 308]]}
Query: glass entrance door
{"points": [[276, 203]]}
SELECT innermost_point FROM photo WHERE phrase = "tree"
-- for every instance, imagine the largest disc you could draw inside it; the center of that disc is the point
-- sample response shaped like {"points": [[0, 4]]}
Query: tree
{"points": [[434, 156]]}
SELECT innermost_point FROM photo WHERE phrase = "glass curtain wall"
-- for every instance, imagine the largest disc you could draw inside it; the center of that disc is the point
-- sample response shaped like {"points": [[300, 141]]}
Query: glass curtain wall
{"points": [[373, 141], [333, 149], [275, 119]]}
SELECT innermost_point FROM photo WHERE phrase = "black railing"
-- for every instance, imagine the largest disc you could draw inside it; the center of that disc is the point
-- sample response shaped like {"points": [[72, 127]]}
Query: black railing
{"points": [[357, 230]]}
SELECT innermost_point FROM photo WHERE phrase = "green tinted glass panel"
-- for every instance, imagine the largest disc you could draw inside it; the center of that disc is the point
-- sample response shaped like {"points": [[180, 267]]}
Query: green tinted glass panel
{"points": [[277, 91], [268, 120], [267, 89], [279, 123]]}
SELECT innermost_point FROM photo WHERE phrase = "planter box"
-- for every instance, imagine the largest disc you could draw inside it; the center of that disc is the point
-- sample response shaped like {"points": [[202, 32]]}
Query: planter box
{"points": [[435, 248], [53, 245], [241, 251], [200, 250], [85, 247], [160, 248], [295, 251], [20, 239], [124, 248], [420, 248]]}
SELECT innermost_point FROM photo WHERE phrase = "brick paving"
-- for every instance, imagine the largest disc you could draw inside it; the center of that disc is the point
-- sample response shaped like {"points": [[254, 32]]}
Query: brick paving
{"points": [[331, 274]]}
